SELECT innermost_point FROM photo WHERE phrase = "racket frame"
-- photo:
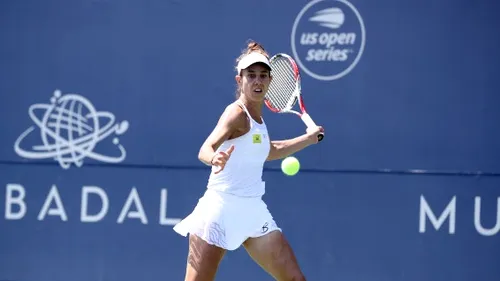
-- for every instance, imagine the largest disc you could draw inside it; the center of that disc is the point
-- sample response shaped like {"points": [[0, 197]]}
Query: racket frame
{"points": [[297, 97]]}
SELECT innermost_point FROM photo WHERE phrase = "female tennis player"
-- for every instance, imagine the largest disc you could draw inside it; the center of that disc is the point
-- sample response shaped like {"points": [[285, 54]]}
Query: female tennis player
{"points": [[232, 213]]}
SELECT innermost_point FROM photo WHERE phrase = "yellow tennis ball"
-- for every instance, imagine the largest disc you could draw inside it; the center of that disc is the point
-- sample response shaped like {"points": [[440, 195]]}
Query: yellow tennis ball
{"points": [[290, 166]]}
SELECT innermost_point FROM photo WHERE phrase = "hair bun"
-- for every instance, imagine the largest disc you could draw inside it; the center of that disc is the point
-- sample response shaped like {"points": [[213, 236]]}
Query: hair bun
{"points": [[254, 46]]}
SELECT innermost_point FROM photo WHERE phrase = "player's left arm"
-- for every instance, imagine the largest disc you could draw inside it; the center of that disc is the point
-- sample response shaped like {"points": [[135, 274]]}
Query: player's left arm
{"points": [[283, 148]]}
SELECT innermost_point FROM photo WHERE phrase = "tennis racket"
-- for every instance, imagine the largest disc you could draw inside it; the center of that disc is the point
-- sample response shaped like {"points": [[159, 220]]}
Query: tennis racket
{"points": [[285, 89]]}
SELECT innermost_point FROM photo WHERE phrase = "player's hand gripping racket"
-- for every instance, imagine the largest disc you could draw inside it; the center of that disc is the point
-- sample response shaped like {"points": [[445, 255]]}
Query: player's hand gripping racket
{"points": [[285, 90]]}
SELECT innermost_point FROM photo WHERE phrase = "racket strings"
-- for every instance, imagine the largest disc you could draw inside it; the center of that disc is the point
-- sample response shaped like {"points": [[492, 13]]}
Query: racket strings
{"points": [[281, 92]]}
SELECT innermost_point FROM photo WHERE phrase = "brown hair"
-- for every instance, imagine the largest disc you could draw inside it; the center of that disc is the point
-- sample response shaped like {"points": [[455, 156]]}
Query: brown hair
{"points": [[252, 46]]}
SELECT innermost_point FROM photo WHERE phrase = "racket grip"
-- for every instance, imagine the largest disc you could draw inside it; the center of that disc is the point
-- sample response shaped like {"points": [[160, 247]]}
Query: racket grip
{"points": [[310, 124]]}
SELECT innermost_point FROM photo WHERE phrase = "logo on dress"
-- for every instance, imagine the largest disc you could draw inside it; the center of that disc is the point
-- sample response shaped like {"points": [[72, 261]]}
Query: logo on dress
{"points": [[257, 138], [265, 227]]}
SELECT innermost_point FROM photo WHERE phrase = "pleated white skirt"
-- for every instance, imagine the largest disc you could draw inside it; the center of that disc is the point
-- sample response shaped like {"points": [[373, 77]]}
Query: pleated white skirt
{"points": [[226, 220]]}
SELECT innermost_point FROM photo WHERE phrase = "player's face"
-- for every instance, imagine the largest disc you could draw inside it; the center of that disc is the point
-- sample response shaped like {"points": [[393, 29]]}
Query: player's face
{"points": [[254, 82]]}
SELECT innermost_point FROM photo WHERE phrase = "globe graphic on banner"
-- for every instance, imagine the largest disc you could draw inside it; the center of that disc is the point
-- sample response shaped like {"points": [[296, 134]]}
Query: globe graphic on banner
{"points": [[70, 128]]}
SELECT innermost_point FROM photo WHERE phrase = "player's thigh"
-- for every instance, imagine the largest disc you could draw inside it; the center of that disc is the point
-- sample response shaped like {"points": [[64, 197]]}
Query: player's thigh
{"points": [[274, 254], [203, 260]]}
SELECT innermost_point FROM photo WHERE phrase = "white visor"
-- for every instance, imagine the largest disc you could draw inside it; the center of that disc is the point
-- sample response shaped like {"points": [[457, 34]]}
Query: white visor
{"points": [[253, 57]]}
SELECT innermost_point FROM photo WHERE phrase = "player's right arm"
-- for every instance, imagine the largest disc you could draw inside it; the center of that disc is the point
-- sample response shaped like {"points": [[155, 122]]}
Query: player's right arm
{"points": [[230, 123]]}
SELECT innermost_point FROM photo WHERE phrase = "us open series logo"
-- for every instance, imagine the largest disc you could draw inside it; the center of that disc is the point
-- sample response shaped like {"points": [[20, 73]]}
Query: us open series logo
{"points": [[328, 38]]}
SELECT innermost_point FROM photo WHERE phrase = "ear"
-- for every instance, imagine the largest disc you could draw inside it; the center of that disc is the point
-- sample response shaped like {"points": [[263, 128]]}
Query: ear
{"points": [[237, 78]]}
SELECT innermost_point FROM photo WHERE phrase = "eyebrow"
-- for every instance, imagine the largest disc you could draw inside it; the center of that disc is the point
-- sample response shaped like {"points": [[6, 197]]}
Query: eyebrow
{"points": [[253, 71]]}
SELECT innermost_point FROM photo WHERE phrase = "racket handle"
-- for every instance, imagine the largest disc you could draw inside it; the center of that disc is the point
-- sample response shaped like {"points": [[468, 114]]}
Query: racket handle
{"points": [[310, 124]]}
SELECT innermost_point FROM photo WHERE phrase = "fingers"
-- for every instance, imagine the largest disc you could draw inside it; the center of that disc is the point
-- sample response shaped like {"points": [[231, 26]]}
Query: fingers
{"points": [[221, 158], [220, 166], [321, 133], [230, 149], [316, 134], [315, 130]]}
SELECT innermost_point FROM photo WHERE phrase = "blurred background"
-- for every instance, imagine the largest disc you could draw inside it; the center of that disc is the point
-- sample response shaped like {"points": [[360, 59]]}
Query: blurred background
{"points": [[105, 103]]}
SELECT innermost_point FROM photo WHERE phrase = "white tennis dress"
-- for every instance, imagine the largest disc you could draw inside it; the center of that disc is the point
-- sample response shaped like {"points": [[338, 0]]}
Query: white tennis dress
{"points": [[232, 209]]}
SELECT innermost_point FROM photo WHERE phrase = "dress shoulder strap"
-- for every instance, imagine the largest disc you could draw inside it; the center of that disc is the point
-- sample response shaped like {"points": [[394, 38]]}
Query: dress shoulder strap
{"points": [[246, 111]]}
